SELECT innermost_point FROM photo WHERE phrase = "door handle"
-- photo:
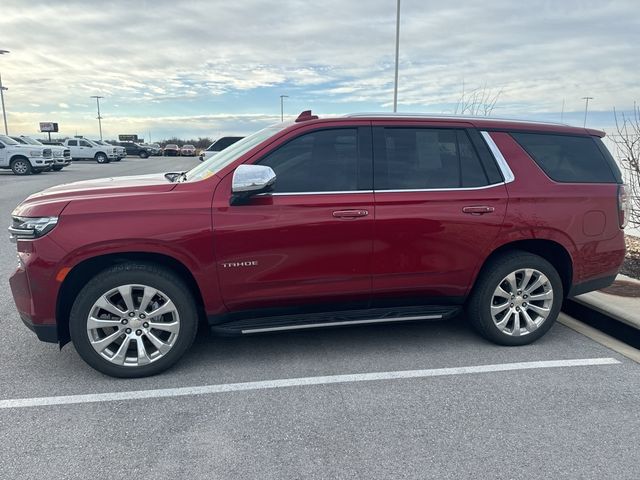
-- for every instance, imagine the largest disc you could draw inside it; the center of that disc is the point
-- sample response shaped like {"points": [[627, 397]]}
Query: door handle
{"points": [[478, 210], [350, 213]]}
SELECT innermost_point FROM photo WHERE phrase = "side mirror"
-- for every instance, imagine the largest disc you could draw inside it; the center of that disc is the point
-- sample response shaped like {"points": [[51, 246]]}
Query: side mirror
{"points": [[249, 180]]}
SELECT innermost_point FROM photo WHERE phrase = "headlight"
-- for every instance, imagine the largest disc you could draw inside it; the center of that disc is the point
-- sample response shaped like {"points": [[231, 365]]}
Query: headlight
{"points": [[31, 227], [35, 153]]}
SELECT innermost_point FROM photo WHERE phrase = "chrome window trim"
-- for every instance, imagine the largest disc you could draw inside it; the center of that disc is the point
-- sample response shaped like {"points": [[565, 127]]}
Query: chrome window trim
{"points": [[452, 189], [497, 154], [280, 194]]}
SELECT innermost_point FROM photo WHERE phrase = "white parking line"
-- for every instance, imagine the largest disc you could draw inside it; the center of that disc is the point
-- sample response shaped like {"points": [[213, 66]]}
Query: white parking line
{"points": [[295, 382]]}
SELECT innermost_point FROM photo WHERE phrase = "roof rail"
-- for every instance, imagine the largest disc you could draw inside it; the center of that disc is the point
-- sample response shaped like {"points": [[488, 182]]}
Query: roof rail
{"points": [[306, 116]]}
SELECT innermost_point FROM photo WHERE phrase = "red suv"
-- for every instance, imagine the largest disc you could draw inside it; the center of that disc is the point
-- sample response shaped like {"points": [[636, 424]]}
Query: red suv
{"points": [[322, 223]]}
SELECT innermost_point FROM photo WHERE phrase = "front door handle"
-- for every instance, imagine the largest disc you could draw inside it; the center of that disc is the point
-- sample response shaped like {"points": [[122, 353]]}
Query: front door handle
{"points": [[478, 209], [350, 213]]}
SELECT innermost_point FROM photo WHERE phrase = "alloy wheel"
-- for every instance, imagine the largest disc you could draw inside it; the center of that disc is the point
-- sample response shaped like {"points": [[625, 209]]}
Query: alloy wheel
{"points": [[133, 325], [521, 302]]}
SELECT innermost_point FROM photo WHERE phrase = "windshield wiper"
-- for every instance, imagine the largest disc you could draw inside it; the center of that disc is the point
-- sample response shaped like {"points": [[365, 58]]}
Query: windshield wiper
{"points": [[175, 176]]}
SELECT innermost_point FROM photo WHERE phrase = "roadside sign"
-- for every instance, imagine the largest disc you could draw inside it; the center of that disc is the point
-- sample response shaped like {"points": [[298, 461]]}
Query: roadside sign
{"points": [[48, 127], [128, 138]]}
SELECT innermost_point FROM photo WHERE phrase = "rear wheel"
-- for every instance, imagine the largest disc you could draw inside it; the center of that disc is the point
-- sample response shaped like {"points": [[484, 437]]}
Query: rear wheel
{"points": [[133, 320], [516, 299], [21, 166]]}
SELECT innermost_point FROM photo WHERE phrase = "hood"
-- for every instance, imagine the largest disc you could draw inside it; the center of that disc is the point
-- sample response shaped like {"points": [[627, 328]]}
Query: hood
{"points": [[51, 202]]}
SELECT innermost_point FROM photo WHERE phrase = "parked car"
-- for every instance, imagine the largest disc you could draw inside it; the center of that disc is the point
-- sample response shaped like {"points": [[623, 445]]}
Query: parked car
{"points": [[24, 159], [324, 223], [85, 149], [121, 152], [188, 151], [153, 148], [218, 146], [136, 149], [171, 150], [61, 155]]}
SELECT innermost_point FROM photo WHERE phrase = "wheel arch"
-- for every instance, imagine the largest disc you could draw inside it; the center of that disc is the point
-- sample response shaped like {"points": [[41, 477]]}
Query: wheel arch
{"points": [[81, 273], [552, 251]]}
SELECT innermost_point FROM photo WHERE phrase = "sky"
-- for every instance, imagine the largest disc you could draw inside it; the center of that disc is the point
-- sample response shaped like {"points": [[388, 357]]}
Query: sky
{"points": [[212, 68]]}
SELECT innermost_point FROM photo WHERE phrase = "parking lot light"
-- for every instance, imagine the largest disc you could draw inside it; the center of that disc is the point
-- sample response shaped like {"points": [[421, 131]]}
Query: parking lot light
{"points": [[2, 89], [97, 97]]}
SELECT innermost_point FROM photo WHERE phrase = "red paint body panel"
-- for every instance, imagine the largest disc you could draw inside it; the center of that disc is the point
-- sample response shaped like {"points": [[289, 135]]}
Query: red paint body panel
{"points": [[426, 246], [303, 253]]}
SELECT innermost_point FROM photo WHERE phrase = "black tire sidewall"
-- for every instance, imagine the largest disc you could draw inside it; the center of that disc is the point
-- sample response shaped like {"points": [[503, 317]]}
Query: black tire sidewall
{"points": [[123, 274], [479, 305], [101, 158], [26, 162]]}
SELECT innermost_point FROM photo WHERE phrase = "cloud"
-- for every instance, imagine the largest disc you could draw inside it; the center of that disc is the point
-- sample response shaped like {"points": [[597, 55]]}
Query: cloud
{"points": [[187, 60]]}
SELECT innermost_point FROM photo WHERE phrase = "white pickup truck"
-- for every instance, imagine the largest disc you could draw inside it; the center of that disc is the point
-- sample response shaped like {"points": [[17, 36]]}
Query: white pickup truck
{"points": [[24, 159], [61, 155], [83, 149]]}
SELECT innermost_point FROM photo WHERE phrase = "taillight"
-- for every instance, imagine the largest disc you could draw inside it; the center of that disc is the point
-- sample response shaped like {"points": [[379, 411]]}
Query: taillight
{"points": [[623, 205]]}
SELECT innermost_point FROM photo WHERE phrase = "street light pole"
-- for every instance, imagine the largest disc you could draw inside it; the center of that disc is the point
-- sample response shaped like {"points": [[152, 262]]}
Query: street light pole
{"points": [[282, 97], [395, 85], [99, 117], [2, 89], [586, 108]]}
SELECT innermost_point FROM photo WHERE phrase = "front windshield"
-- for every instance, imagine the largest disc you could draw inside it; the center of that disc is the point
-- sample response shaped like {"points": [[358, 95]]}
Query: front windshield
{"points": [[99, 142], [229, 154], [31, 141], [8, 140]]}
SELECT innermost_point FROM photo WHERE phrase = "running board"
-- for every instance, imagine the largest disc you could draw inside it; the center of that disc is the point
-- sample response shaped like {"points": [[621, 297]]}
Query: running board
{"points": [[334, 319]]}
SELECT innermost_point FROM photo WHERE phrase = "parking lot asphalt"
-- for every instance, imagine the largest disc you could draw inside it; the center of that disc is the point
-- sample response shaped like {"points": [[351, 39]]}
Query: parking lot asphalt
{"points": [[494, 421]]}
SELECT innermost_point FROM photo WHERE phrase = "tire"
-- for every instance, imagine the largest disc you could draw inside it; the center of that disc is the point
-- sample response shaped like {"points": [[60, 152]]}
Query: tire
{"points": [[101, 158], [510, 311], [21, 166], [144, 155], [57, 168], [138, 277], [35, 171], [117, 159]]}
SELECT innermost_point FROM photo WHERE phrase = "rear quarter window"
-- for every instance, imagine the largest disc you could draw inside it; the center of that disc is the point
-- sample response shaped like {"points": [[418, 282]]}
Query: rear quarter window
{"points": [[567, 158]]}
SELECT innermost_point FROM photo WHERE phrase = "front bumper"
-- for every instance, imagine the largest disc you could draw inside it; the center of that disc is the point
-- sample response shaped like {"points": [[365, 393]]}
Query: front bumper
{"points": [[34, 288], [45, 333]]}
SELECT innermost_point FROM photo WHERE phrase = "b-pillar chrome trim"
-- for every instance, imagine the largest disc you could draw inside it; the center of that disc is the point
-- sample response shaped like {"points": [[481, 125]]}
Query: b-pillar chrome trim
{"points": [[502, 163]]}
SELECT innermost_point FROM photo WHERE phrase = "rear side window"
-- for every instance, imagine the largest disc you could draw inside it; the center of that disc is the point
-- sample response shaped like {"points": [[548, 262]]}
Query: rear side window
{"points": [[73, 143], [224, 143], [566, 158], [426, 158], [321, 161]]}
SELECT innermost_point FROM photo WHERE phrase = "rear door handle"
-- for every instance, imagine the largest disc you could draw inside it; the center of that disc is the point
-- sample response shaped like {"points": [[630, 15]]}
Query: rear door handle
{"points": [[350, 213], [478, 209]]}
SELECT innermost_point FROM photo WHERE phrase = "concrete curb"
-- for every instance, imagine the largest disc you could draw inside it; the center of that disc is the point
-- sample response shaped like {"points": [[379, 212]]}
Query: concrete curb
{"points": [[622, 309]]}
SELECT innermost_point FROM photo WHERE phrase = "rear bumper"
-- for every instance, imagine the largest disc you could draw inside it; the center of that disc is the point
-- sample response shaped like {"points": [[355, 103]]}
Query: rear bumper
{"points": [[591, 285]]}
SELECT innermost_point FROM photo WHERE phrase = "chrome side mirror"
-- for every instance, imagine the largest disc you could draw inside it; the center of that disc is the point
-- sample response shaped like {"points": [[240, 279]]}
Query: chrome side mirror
{"points": [[249, 180]]}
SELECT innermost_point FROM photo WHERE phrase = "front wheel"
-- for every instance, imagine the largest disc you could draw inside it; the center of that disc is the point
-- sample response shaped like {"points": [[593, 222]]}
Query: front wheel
{"points": [[21, 166], [133, 320], [101, 158], [516, 299], [144, 155], [57, 168]]}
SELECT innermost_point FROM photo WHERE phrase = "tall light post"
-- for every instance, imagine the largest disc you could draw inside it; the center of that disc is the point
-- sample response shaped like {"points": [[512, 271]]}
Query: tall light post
{"points": [[586, 108], [282, 97], [395, 85], [97, 97], [2, 89]]}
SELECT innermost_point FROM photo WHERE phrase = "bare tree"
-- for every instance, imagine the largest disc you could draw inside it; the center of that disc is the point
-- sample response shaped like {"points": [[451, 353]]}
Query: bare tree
{"points": [[627, 141], [478, 102]]}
